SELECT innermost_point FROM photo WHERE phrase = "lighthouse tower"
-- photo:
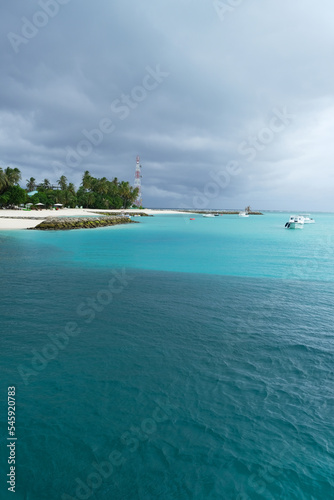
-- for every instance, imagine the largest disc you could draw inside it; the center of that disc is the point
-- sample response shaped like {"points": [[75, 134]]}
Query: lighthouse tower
{"points": [[137, 183]]}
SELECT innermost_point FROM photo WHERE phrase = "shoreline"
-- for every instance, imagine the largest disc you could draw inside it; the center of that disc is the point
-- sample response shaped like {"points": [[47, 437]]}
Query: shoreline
{"points": [[22, 219]]}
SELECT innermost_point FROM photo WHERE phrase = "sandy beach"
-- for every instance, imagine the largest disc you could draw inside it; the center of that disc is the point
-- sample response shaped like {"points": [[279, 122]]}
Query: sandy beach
{"points": [[20, 219]]}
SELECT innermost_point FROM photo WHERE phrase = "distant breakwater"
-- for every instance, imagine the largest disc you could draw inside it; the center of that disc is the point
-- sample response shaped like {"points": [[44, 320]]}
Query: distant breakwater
{"points": [[220, 212], [132, 214], [66, 223]]}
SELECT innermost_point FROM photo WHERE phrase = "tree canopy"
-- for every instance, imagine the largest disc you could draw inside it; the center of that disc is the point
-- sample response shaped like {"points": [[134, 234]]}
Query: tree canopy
{"points": [[9, 177], [92, 193], [31, 184]]}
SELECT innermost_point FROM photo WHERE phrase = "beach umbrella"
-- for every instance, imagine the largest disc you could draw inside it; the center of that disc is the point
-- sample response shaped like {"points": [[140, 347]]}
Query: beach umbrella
{"points": [[58, 204], [40, 204]]}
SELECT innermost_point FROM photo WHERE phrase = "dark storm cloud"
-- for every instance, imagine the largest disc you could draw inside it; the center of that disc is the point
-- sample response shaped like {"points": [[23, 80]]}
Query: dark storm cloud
{"points": [[189, 86]]}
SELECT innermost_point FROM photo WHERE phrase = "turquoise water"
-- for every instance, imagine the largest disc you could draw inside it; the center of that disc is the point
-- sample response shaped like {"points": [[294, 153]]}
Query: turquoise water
{"points": [[171, 359]]}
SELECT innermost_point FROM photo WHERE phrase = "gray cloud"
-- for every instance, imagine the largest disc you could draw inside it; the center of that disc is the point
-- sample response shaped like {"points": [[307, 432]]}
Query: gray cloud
{"points": [[226, 76]]}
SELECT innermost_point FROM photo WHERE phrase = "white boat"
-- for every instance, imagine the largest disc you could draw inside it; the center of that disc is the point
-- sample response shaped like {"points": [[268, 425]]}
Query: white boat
{"points": [[295, 222], [307, 219], [208, 215], [243, 214]]}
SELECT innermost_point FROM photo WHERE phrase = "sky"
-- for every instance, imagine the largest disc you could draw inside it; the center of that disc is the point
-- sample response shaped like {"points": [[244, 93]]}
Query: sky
{"points": [[227, 103]]}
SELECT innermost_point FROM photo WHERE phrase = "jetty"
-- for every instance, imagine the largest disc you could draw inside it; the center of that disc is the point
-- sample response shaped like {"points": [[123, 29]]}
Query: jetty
{"points": [[90, 222]]}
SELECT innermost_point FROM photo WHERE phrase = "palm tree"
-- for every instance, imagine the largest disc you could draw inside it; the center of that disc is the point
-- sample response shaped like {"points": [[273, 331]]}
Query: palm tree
{"points": [[46, 184], [3, 181], [62, 182], [69, 195], [90, 199], [31, 184], [102, 186], [87, 180], [127, 193], [13, 176], [9, 177], [71, 188]]}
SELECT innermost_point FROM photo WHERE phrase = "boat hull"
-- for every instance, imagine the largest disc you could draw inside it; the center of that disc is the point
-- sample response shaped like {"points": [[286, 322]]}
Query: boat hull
{"points": [[295, 222], [294, 225]]}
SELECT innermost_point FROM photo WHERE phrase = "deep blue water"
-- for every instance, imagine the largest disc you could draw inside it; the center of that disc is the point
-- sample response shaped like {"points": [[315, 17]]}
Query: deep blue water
{"points": [[170, 359]]}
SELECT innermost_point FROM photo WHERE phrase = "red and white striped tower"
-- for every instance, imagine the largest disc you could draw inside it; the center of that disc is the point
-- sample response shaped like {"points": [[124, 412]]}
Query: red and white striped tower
{"points": [[137, 184]]}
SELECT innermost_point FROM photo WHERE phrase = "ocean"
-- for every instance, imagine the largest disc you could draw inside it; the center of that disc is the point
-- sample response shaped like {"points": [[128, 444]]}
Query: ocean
{"points": [[170, 359]]}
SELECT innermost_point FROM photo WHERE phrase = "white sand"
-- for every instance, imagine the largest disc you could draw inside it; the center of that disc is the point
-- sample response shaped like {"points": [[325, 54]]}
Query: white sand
{"points": [[26, 218]]}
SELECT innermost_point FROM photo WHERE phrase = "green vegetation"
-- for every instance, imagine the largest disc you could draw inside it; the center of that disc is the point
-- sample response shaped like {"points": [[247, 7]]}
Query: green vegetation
{"points": [[92, 193], [101, 193], [10, 192]]}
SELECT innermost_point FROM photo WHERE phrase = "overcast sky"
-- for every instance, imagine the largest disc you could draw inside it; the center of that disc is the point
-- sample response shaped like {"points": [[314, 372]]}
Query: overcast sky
{"points": [[228, 103]]}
